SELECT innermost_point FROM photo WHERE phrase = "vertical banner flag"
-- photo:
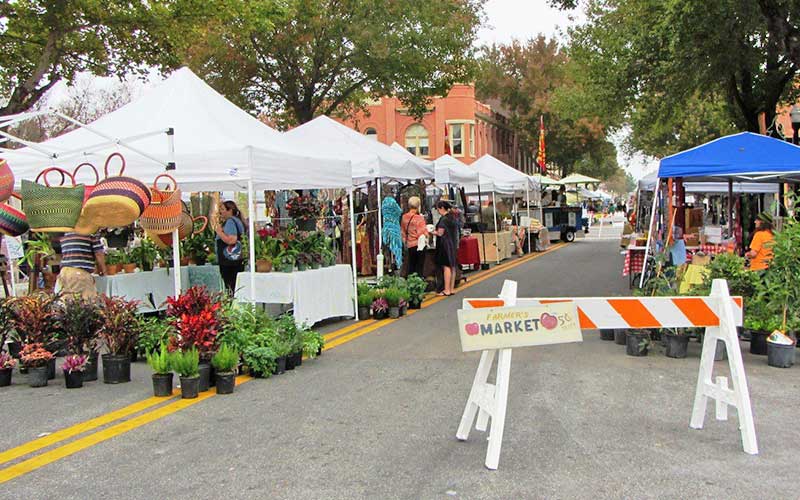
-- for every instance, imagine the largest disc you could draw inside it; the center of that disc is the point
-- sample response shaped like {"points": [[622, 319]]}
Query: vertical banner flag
{"points": [[446, 141], [541, 158]]}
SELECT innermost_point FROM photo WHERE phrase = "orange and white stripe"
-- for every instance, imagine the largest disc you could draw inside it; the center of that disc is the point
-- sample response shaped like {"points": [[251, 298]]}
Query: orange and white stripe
{"points": [[634, 312]]}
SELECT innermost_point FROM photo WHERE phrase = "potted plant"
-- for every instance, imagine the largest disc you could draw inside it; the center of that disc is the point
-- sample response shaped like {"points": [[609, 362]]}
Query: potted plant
{"points": [[416, 287], [266, 249], [35, 319], [73, 367], [285, 260], [7, 364], [113, 262], [303, 261], [287, 330], [186, 364], [393, 297], [364, 303], [261, 360], [759, 322], [677, 342], [780, 350], [304, 210], [153, 331], [312, 343], [380, 308], [225, 362], [283, 349], [144, 254], [80, 320], [38, 250], [118, 334], [637, 342], [36, 358], [161, 363]]}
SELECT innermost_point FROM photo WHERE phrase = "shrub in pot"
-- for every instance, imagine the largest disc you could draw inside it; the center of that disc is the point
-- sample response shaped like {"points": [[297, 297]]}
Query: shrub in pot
{"points": [[186, 364], [288, 330], [282, 348], [312, 343], [225, 361], [35, 319], [118, 335], [7, 364], [677, 342], [637, 343], [80, 320], [153, 332], [380, 308], [364, 303], [416, 287], [261, 360], [73, 367], [161, 363], [36, 358]]}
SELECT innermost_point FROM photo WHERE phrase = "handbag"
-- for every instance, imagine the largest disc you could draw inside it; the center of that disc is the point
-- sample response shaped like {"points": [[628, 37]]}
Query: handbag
{"points": [[13, 222], [165, 212], [87, 189], [6, 181], [52, 208], [116, 201], [187, 228], [233, 252]]}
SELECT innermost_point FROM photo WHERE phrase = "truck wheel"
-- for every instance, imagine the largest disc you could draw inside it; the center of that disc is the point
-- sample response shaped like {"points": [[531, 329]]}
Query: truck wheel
{"points": [[569, 236]]}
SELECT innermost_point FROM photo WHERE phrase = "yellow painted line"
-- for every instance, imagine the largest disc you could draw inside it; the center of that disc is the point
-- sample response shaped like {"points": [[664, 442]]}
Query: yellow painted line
{"points": [[73, 447], [350, 328], [347, 338], [58, 436]]}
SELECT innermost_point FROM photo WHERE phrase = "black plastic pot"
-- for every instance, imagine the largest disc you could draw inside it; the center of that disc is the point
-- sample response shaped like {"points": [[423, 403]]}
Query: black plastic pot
{"points": [[363, 313], [404, 310], [779, 355], [620, 334], [212, 377], [134, 356], [205, 376], [633, 344], [73, 380], [394, 312], [51, 369], [290, 364], [162, 385], [677, 345], [414, 304], [90, 372], [190, 387], [280, 366], [758, 342], [225, 382], [37, 377], [379, 315], [721, 353], [606, 334], [298, 358], [5, 376], [116, 368]]}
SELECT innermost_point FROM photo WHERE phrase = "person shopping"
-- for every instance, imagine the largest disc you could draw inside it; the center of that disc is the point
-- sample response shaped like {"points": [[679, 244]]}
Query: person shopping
{"points": [[412, 227], [446, 246], [228, 242], [81, 255], [760, 253]]}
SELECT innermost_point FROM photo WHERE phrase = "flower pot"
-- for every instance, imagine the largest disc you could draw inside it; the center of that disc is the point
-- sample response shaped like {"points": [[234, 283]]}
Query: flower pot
{"points": [[415, 304], [403, 310], [190, 387], [37, 377], [112, 269], [298, 358], [634, 345], [73, 380], [302, 267], [290, 362], [607, 334], [263, 266], [51, 369], [257, 374], [5, 376], [116, 368], [205, 376], [225, 382], [620, 336], [779, 355], [758, 342], [379, 314], [720, 354], [677, 345], [363, 312], [184, 261], [134, 356], [394, 312], [315, 265], [162, 385], [280, 366], [286, 268], [90, 372], [129, 268]]}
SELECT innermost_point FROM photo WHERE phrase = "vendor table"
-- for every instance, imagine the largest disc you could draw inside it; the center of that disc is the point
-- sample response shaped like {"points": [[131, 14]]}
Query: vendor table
{"points": [[495, 252], [315, 295], [151, 288], [634, 256], [469, 254]]}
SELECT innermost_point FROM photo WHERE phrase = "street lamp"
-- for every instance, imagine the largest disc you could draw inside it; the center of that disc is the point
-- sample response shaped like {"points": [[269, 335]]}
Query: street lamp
{"points": [[794, 114]]}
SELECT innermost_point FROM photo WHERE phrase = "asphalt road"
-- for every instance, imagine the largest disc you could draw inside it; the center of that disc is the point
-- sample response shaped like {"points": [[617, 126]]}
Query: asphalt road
{"points": [[376, 418]]}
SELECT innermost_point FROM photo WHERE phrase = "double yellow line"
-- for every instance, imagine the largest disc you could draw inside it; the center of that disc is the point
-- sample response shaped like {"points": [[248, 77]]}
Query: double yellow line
{"points": [[168, 406]]}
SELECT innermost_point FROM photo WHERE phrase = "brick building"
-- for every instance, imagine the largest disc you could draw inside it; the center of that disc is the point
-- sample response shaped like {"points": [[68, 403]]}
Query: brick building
{"points": [[474, 128]]}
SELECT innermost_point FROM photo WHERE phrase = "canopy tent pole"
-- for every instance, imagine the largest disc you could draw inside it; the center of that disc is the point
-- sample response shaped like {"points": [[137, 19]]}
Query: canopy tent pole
{"points": [[729, 218], [379, 254], [638, 211], [353, 254], [528, 205], [251, 230], [176, 249], [480, 220], [496, 228], [649, 233]]}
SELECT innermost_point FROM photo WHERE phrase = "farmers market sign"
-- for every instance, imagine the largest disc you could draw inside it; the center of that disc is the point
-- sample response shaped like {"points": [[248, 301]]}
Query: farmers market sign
{"points": [[505, 327]]}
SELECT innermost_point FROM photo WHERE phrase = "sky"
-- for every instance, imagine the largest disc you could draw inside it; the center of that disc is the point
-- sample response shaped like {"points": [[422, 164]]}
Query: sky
{"points": [[524, 19]]}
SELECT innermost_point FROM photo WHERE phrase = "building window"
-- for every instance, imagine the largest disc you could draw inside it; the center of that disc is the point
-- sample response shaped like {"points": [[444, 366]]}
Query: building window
{"points": [[371, 133], [457, 139], [417, 140], [472, 141]]}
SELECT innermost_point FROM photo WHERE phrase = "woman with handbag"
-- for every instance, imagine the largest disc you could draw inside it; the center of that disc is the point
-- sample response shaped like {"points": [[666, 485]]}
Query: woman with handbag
{"points": [[229, 244], [413, 227]]}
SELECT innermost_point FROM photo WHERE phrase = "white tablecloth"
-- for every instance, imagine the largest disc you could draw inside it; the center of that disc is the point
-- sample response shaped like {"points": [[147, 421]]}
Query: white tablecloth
{"points": [[315, 295]]}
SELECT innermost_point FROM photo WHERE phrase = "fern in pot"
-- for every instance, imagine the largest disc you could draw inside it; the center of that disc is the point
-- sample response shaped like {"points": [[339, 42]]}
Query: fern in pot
{"points": [[161, 363], [186, 364], [225, 362]]}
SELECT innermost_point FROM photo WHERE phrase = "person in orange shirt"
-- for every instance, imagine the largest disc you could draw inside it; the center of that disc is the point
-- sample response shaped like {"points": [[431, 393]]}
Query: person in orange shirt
{"points": [[760, 253], [412, 226]]}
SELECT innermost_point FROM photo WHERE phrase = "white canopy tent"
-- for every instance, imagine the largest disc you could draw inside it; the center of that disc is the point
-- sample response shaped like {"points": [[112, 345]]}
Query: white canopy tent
{"points": [[215, 146]]}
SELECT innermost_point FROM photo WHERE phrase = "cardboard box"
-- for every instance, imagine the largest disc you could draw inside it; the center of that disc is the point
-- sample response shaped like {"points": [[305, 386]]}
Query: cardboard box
{"points": [[625, 242]]}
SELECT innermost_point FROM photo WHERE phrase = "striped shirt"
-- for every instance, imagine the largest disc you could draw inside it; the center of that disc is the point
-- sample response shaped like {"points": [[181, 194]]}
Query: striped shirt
{"points": [[77, 250]]}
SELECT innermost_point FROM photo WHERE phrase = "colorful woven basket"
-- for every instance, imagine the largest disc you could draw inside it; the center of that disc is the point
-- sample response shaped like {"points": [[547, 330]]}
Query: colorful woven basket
{"points": [[6, 181], [87, 187], [164, 213], [12, 221], [50, 208], [115, 201], [186, 229]]}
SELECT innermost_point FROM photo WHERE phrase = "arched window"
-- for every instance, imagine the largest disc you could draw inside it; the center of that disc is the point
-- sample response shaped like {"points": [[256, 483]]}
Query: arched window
{"points": [[371, 133], [417, 140]]}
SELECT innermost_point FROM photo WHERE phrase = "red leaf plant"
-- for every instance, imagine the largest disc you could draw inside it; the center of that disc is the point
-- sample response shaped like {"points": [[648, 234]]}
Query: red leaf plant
{"points": [[196, 317]]}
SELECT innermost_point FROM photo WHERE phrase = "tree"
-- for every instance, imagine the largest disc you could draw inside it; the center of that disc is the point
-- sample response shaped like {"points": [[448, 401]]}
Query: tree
{"points": [[301, 58], [45, 41], [681, 71], [783, 22], [536, 78]]}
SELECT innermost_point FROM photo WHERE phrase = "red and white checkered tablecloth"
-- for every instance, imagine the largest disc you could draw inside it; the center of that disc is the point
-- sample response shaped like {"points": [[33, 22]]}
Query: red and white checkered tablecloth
{"points": [[634, 261], [709, 249]]}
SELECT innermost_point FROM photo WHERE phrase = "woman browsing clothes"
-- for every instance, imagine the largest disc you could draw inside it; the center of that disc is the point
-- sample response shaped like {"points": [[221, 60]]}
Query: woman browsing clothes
{"points": [[446, 246], [228, 244], [413, 227]]}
